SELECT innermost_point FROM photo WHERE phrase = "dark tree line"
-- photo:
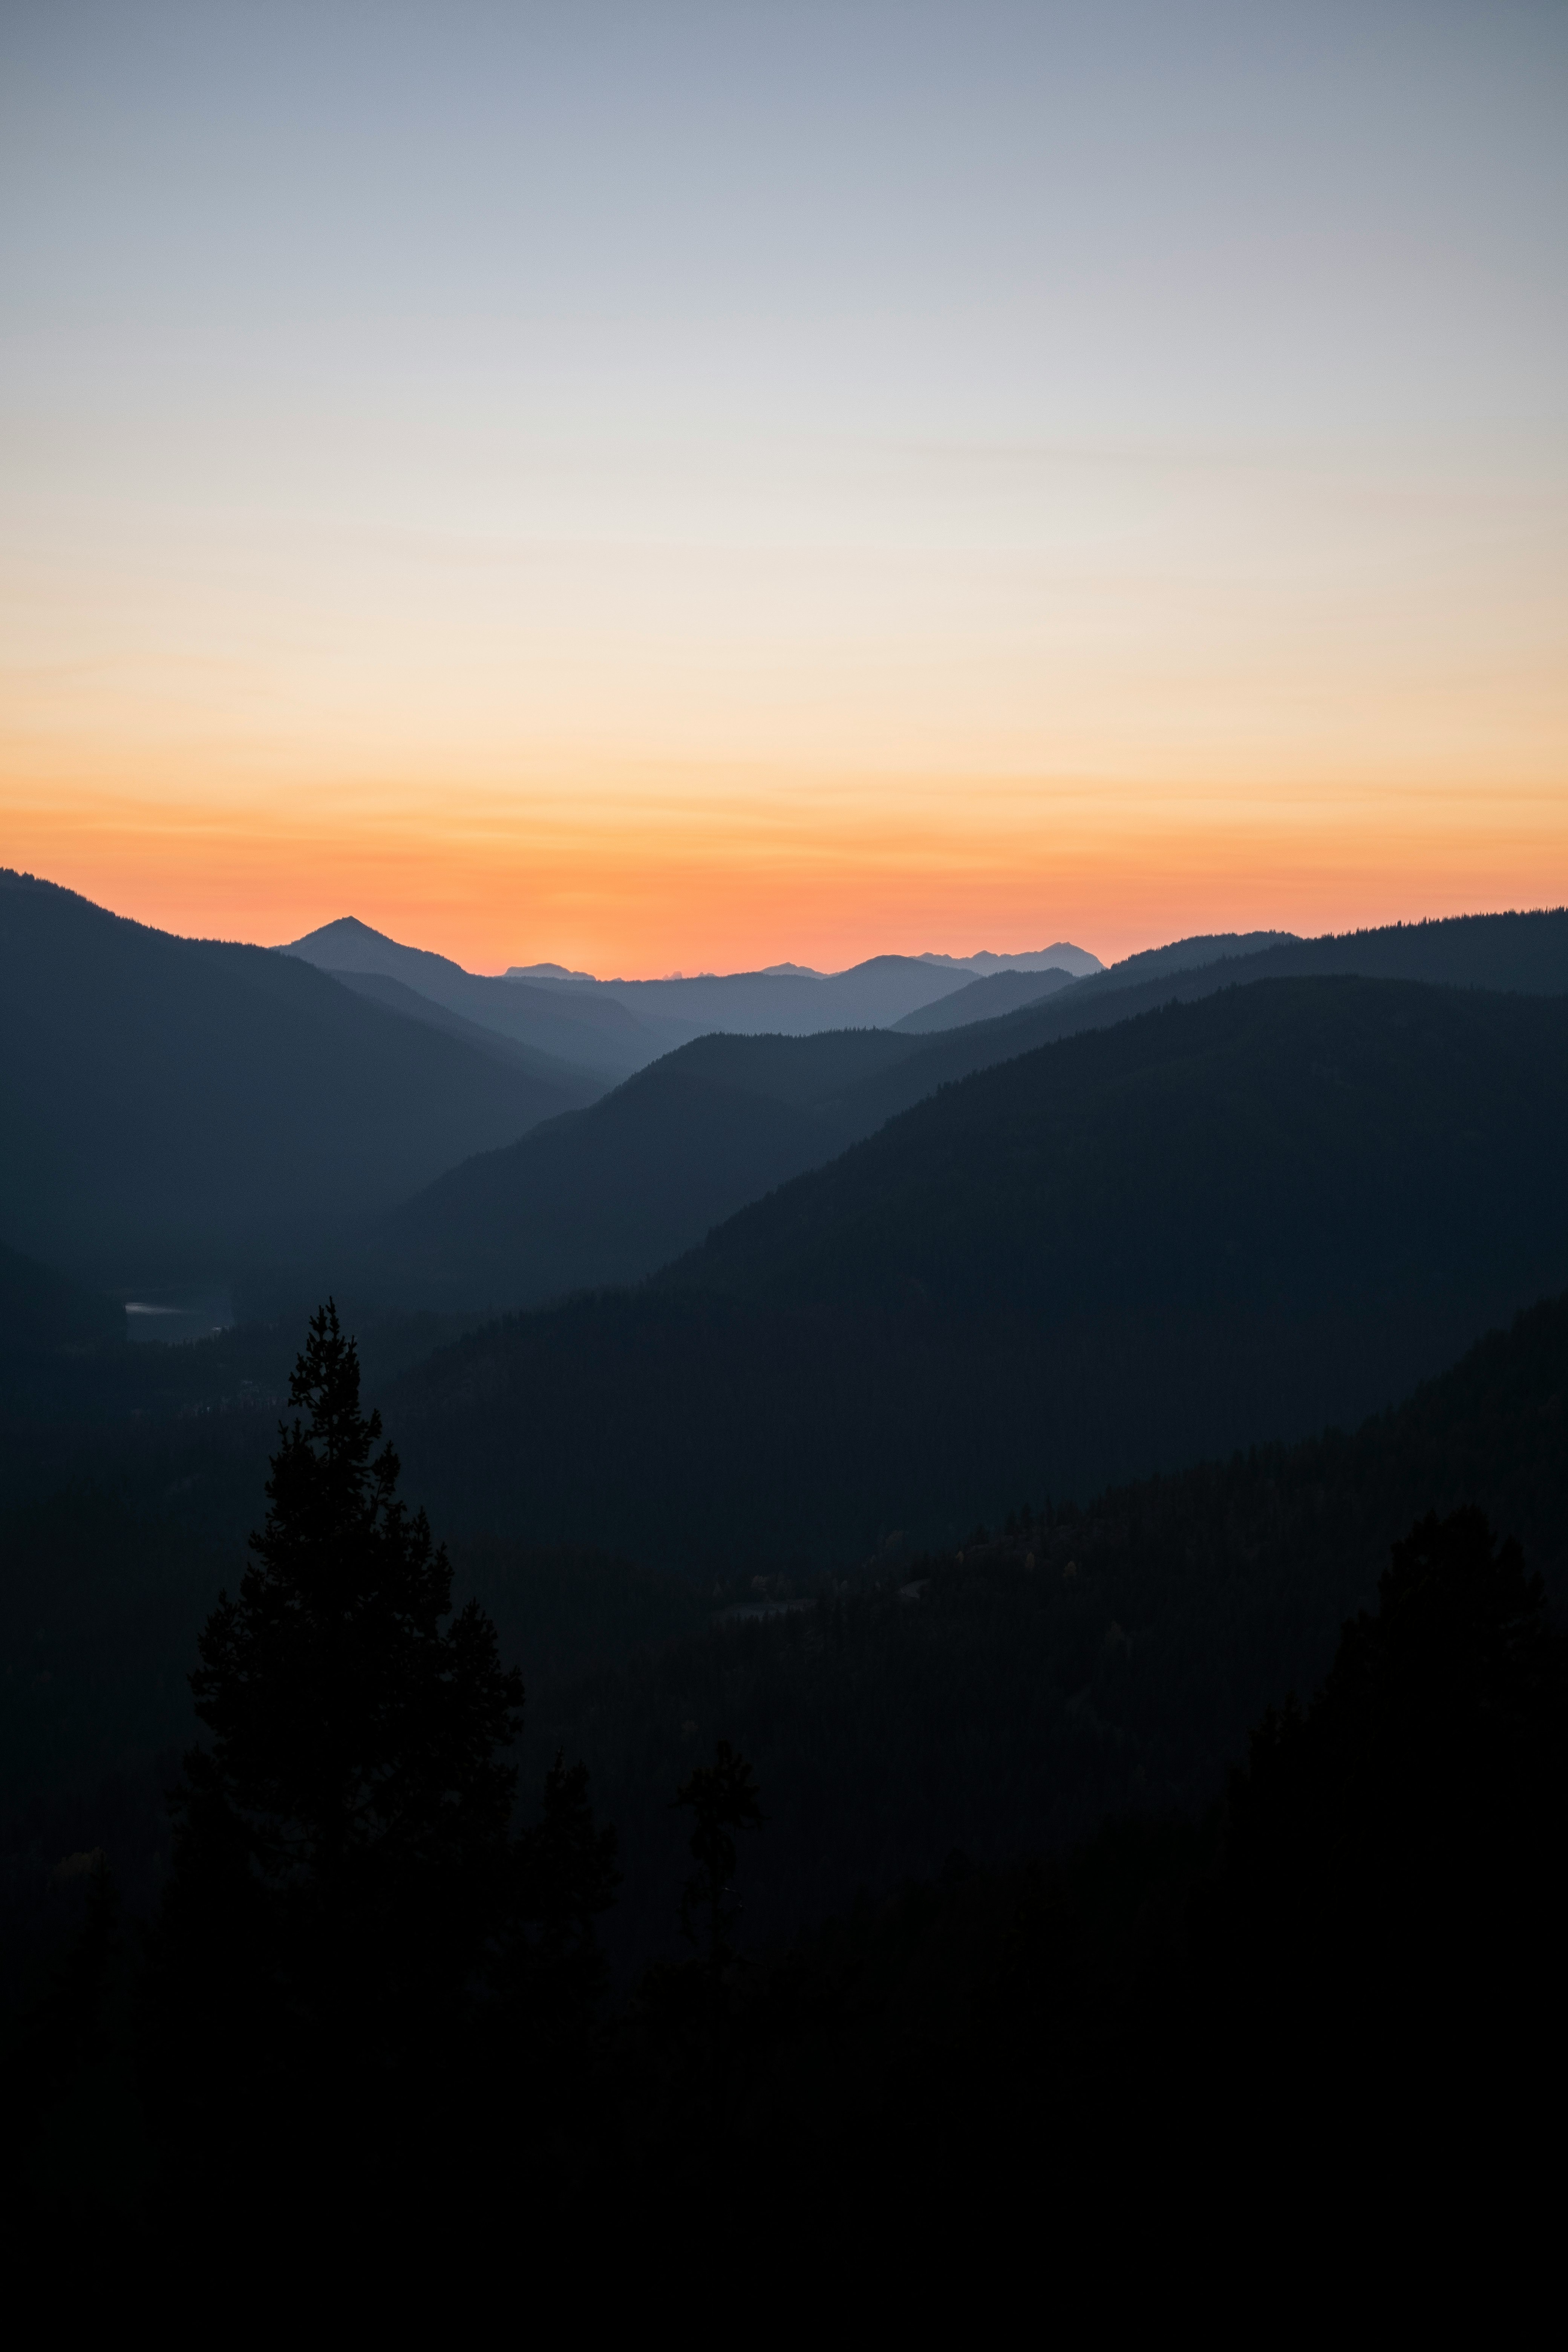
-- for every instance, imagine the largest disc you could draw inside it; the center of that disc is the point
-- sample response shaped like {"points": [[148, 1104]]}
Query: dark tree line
{"points": [[369, 1986]]}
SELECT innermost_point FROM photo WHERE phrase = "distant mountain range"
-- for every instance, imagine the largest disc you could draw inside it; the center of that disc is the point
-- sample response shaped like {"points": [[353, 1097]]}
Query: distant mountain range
{"points": [[1063, 956], [616, 1026], [388, 1122], [586, 1029]]}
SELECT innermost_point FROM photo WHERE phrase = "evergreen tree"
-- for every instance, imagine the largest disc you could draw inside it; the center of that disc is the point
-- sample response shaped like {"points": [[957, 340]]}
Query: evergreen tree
{"points": [[1394, 1883], [724, 1797], [343, 1868]]}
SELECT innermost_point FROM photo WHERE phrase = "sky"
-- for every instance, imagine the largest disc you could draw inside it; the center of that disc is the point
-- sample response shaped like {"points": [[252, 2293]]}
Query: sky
{"points": [[685, 486]]}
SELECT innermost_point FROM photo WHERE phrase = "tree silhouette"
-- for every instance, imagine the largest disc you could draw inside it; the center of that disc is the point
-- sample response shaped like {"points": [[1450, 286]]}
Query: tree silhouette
{"points": [[343, 1868], [1394, 1876], [548, 1971], [724, 1797]]}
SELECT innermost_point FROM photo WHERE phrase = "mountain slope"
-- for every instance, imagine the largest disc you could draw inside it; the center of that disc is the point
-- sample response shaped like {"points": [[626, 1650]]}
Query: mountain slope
{"points": [[984, 999], [792, 1000], [1016, 1705], [171, 1105], [582, 1027], [642, 1174], [1528, 952], [575, 1080], [870, 995], [1245, 1217], [608, 1194]]}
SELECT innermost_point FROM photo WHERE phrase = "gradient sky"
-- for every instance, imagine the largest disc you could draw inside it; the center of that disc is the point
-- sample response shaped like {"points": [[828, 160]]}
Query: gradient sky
{"points": [[663, 486]]}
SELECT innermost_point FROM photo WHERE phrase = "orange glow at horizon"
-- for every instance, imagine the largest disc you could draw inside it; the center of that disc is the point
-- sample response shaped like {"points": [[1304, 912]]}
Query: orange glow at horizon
{"points": [[879, 481], [639, 882]]}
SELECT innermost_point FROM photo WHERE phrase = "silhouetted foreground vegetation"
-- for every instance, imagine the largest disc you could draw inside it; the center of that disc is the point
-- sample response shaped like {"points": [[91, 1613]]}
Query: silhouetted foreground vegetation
{"points": [[370, 1990]]}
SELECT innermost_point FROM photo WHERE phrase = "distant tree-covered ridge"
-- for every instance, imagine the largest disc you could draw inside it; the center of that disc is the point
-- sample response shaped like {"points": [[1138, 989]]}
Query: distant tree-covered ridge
{"points": [[607, 1196], [1220, 1222]]}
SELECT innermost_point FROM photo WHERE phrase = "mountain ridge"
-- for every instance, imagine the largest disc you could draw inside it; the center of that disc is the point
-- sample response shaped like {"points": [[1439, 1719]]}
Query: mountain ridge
{"points": [[174, 1106], [1235, 1219], [473, 1243]]}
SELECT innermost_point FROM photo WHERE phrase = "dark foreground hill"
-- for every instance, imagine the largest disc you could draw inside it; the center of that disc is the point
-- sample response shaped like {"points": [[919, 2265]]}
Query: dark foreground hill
{"points": [[925, 1973], [1006, 1710], [611, 1194], [1010, 1701], [1276, 1208], [171, 1106]]}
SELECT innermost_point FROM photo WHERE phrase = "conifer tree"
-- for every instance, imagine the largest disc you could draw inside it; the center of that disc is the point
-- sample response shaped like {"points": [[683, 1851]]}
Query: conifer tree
{"points": [[724, 1797], [344, 1863]]}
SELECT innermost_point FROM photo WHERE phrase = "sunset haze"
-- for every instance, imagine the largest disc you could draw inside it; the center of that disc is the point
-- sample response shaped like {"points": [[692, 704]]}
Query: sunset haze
{"points": [[695, 487]]}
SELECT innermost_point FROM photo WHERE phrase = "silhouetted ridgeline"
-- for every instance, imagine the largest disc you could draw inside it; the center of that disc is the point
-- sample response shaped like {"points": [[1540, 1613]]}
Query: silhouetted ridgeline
{"points": [[1249, 1216], [611, 1194], [987, 1000], [1527, 953], [176, 1106], [584, 1028]]}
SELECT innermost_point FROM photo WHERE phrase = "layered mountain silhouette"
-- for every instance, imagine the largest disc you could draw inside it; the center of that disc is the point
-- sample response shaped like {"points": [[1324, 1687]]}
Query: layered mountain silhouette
{"points": [[1229, 1220], [172, 1106], [608, 1194], [619, 1025], [875, 994], [585, 1027], [495, 1043], [1008, 991], [984, 999]]}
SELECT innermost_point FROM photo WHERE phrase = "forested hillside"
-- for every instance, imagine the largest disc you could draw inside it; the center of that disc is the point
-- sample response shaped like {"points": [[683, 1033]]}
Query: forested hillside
{"points": [[1007, 1696], [998, 1707], [1244, 1217], [1525, 954], [607, 1198], [606, 1195], [176, 1106], [984, 999]]}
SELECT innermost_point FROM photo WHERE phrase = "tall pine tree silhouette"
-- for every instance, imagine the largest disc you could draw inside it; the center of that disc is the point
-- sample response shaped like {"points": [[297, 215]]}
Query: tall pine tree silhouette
{"points": [[343, 1868], [724, 1797]]}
